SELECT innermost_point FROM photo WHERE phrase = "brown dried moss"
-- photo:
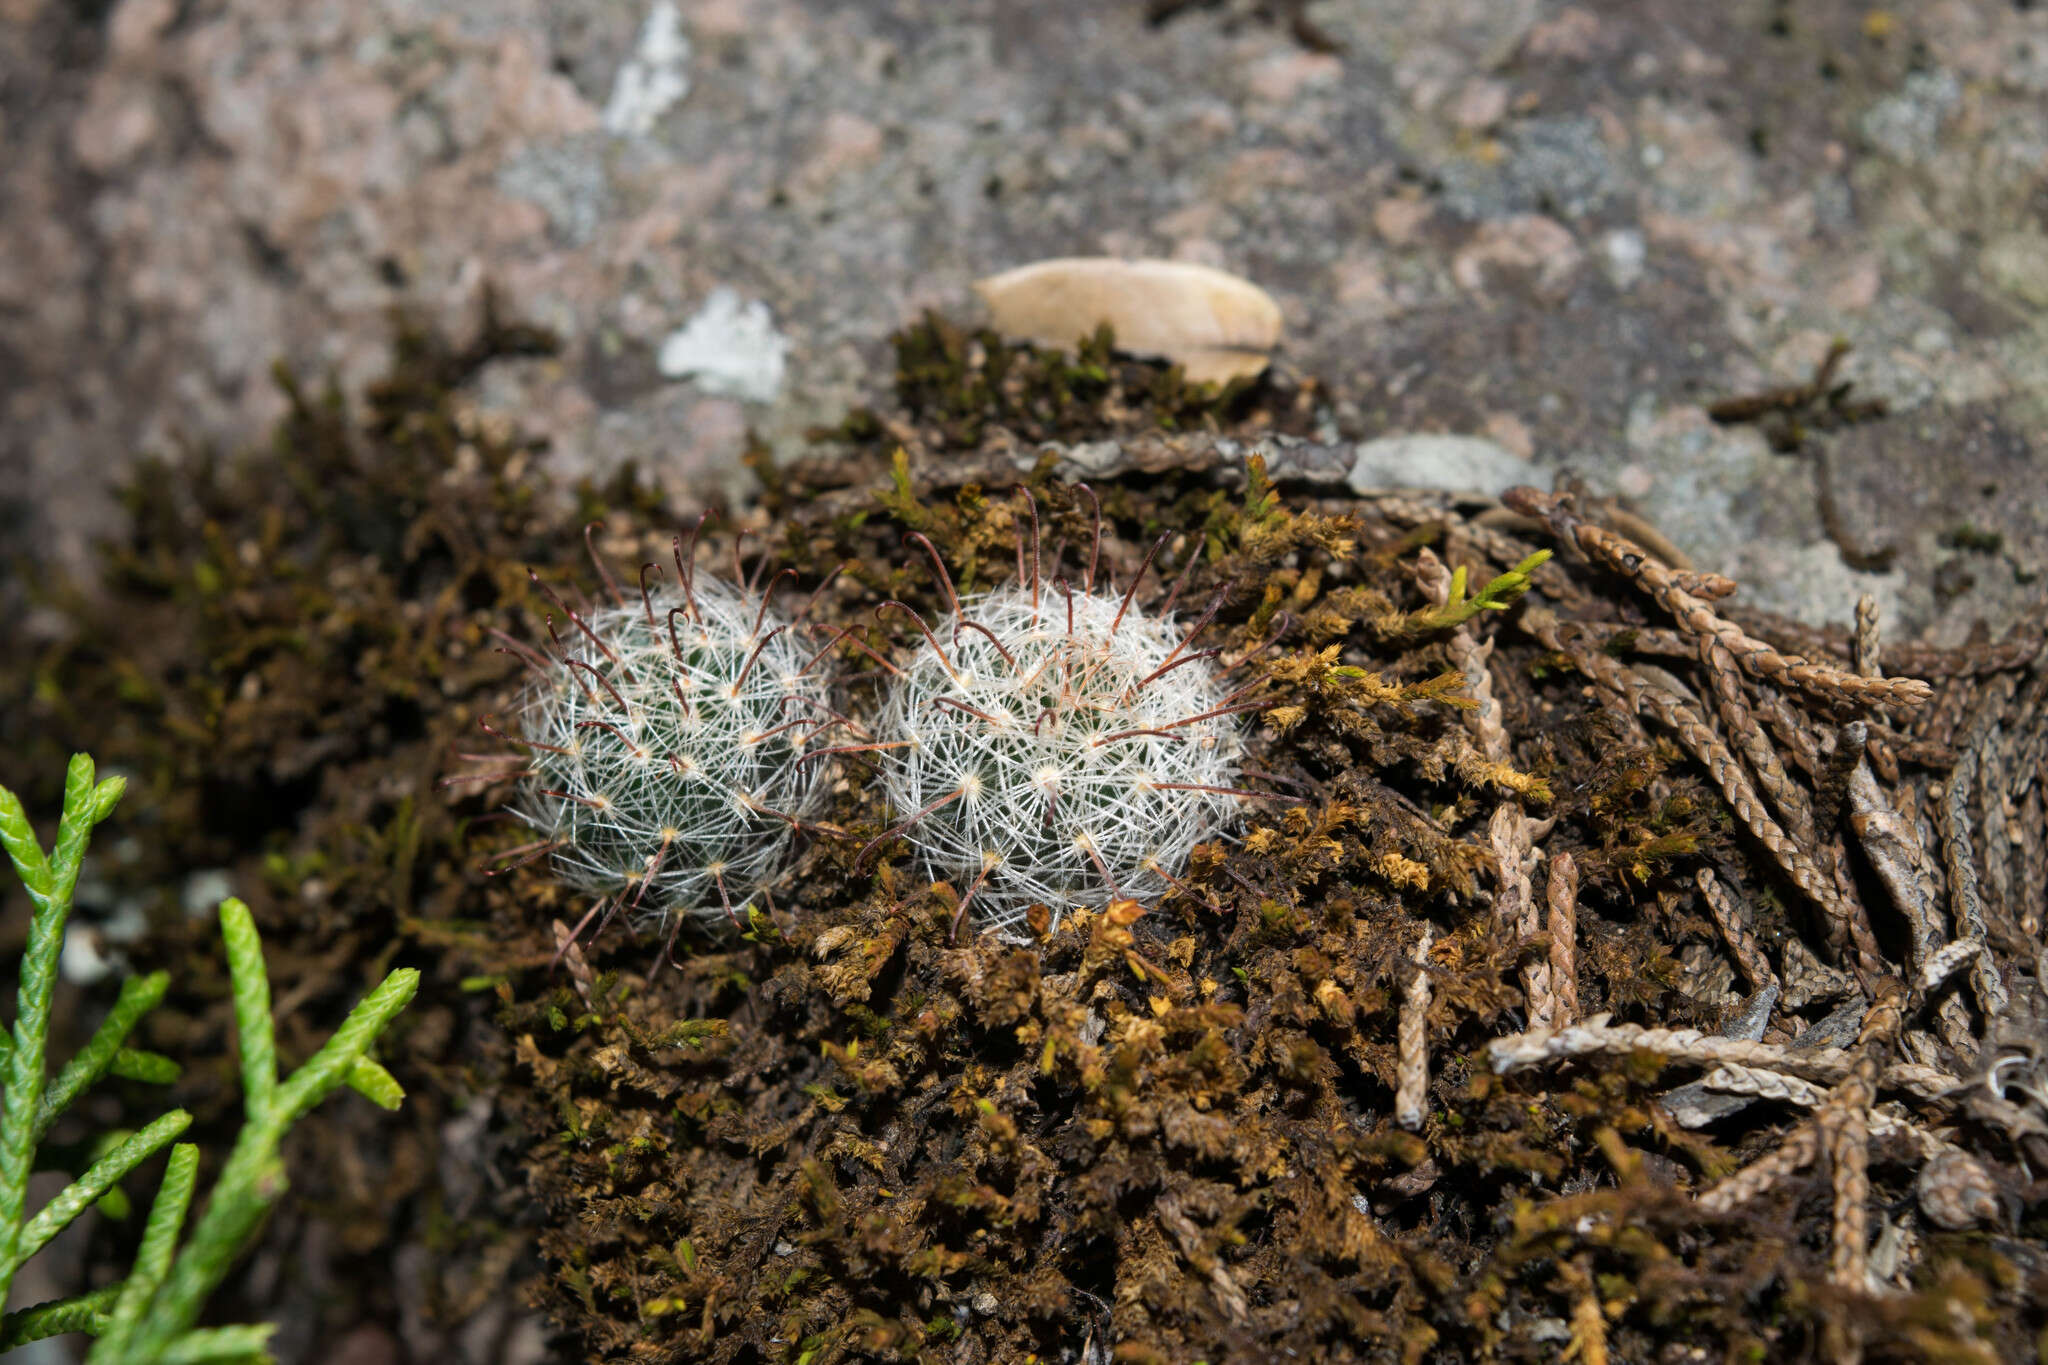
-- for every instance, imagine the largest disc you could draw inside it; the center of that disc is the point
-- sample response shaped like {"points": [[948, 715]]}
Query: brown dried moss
{"points": [[1165, 1130], [1161, 1134], [955, 387]]}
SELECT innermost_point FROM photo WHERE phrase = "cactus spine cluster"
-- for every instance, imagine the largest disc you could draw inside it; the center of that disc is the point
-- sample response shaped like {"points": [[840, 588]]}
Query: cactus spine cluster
{"points": [[1047, 744], [667, 741], [1058, 747]]}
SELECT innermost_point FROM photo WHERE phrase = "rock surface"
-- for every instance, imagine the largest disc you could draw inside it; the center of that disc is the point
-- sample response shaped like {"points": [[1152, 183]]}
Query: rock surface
{"points": [[1561, 227]]}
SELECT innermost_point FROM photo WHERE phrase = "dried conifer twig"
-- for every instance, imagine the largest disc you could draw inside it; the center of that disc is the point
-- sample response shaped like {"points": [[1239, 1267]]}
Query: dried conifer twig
{"points": [[1895, 853], [1946, 961], [2019, 646], [1412, 1091], [1599, 1036], [1844, 1126], [1432, 576], [580, 974], [1737, 1079], [1754, 656], [1992, 809], [1794, 732], [1939, 723], [1736, 933], [1868, 646], [2031, 753], [1758, 1178], [1959, 858], [1798, 637], [1929, 1083], [1711, 586], [1514, 906], [1845, 1138], [1564, 936], [1850, 743], [1619, 636], [1734, 1079], [1807, 978], [1473, 659], [2034, 850]]}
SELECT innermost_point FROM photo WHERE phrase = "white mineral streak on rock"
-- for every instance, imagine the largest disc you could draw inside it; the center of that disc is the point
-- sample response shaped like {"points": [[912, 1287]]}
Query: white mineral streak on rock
{"points": [[654, 78], [730, 348]]}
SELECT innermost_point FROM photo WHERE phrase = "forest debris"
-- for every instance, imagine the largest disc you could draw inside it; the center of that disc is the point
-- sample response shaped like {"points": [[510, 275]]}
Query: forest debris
{"points": [[1716, 632], [580, 974], [1641, 696], [1514, 906], [1600, 1036], [1895, 852], [1735, 932], [1413, 1047], [1840, 1130], [1564, 936], [1953, 1187], [1959, 859], [1216, 326]]}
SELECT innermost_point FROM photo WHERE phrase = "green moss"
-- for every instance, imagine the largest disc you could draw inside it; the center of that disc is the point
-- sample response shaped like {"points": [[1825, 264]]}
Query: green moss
{"points": [[1965, 536], [956, 385]]}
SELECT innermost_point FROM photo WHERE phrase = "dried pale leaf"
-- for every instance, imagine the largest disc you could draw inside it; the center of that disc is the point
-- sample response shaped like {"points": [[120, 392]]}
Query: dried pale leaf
{"points": [[1216, 326]]}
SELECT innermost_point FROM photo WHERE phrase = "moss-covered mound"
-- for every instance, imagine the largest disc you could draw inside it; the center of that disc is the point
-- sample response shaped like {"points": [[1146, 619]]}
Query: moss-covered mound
{"points": [[1166, 1131]]}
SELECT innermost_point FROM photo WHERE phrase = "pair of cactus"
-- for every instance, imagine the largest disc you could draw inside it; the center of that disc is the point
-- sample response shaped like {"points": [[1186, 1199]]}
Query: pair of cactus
{"points": [[1046, 744]]}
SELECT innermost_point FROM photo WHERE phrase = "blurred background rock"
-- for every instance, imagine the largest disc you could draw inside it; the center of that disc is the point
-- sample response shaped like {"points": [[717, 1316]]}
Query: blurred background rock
{"points": [[1563, 227]]}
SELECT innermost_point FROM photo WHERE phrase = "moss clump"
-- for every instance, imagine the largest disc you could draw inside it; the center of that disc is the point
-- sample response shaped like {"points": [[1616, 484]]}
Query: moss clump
{"points": [[954, 387], [1161, 1130]]}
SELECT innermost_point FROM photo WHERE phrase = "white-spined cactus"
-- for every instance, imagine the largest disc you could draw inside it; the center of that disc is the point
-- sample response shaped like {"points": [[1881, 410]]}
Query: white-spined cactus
{"points": [[666, 741], [1049, 744]]}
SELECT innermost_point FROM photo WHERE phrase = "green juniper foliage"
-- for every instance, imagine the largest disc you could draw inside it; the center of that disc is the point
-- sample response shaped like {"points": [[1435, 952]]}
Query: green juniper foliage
{"points": [[149, 1316]]}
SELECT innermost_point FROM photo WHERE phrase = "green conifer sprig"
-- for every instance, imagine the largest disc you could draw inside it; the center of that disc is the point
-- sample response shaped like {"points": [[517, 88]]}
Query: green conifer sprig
{"points": [[148, 1317]]}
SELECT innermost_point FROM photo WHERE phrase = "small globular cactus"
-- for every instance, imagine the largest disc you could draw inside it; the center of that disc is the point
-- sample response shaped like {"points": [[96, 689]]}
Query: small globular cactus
{"points": [[1053, 745], [667, 742]]}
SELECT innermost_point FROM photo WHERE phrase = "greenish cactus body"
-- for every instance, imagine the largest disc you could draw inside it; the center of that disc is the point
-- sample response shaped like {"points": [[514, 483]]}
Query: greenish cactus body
{"points": [[667, 741]]}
